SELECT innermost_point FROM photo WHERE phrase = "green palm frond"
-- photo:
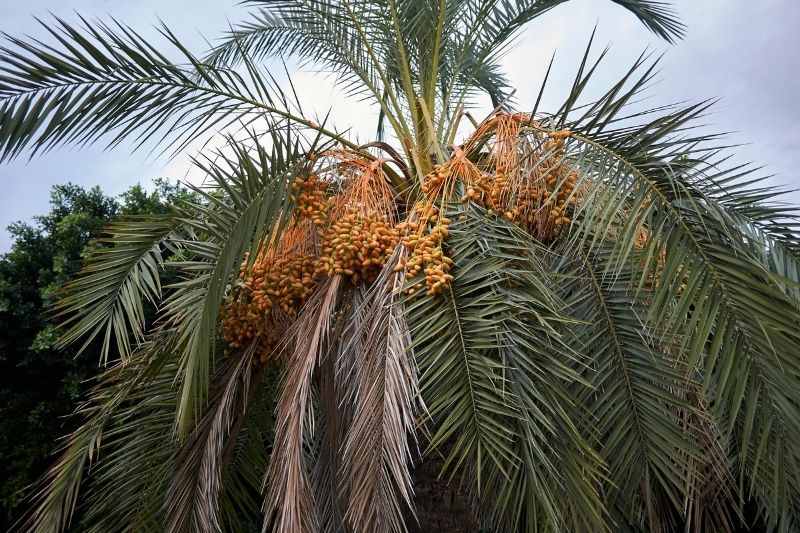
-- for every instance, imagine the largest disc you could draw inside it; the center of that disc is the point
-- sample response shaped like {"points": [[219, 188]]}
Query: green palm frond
{"points": [[638, 392], [121, 275], [353, 39], [227, 227], [495, 375], [242, 484], [396, 51], [461, 380], [554, 484], [714, 291], [659, 17], [106, 82], [719, 297], [138, 439], [55, 500], [313, 31]]}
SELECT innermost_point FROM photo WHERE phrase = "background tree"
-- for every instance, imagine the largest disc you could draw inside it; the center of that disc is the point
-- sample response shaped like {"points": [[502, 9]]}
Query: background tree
{"points": [[41, 384]]}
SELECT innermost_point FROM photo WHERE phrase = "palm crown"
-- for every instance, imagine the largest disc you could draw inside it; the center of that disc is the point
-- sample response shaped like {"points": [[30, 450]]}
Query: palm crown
{"points": [[583, 317]]}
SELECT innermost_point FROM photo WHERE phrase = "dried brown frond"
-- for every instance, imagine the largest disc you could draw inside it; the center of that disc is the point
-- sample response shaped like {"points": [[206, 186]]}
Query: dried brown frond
{"points": [[377, 453], [333, 420], [192, 500], [289, 505]]}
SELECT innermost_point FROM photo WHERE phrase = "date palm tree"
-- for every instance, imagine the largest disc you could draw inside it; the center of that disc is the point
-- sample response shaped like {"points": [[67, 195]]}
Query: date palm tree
{"points": [[583, 318]]}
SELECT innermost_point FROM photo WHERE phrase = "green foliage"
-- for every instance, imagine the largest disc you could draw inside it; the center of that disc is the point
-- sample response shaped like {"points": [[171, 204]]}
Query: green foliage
{"points": [[42, 384]]}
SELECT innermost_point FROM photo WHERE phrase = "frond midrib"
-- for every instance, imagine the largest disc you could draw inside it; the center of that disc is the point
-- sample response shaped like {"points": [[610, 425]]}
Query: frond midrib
{"points": [[597, 289]]}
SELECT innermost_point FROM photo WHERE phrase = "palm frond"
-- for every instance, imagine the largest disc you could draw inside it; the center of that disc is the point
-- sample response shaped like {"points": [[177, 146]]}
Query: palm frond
{"points": [[139, 439], [55, 500], [556, 468], [312, 31], [108, 295], [714, 293], [247, 458], [377, 450], [638, 391], [461, 380], [193, 499], [227, 227], [499, 399], [289, 505], [405, 47], [106, 82], [658, 16], [331, 418]]}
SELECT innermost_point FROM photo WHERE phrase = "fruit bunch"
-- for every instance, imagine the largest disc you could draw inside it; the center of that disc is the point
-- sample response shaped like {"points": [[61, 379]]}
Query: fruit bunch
{"points": [[557, 196], [241, 324], [345, 215], [476, 193], [434, 181], [497, 188], [283, 282], [539, 200], [423, 237], [272, 288], [310, 199], [357, 244]]}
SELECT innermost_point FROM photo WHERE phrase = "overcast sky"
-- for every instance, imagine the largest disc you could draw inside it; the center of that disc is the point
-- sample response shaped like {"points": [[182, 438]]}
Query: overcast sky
{"points": [[746, 53]]}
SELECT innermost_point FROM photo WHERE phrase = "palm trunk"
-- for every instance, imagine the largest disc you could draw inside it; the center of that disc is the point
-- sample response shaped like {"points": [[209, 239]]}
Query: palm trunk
{"points": [[441, 507]]}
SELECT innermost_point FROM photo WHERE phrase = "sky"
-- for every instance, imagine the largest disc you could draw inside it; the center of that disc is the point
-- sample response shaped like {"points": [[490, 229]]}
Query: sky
{"points": [[745, 53]]}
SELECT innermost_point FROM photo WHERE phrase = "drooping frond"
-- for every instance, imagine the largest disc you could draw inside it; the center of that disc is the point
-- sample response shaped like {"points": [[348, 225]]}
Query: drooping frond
{"points": [[332, 417], [139, 438], [193, 499], [227, 226], [638, 390], [716, 299], [461, 381], [247, 457], [494, 375], [121, 275], [730, 310], [555, 480], [377, 450], [289, 504], [56, 498]]}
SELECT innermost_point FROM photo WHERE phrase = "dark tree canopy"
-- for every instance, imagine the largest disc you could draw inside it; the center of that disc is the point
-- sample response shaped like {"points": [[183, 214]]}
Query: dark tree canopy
{"points": [[41, 385]]}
